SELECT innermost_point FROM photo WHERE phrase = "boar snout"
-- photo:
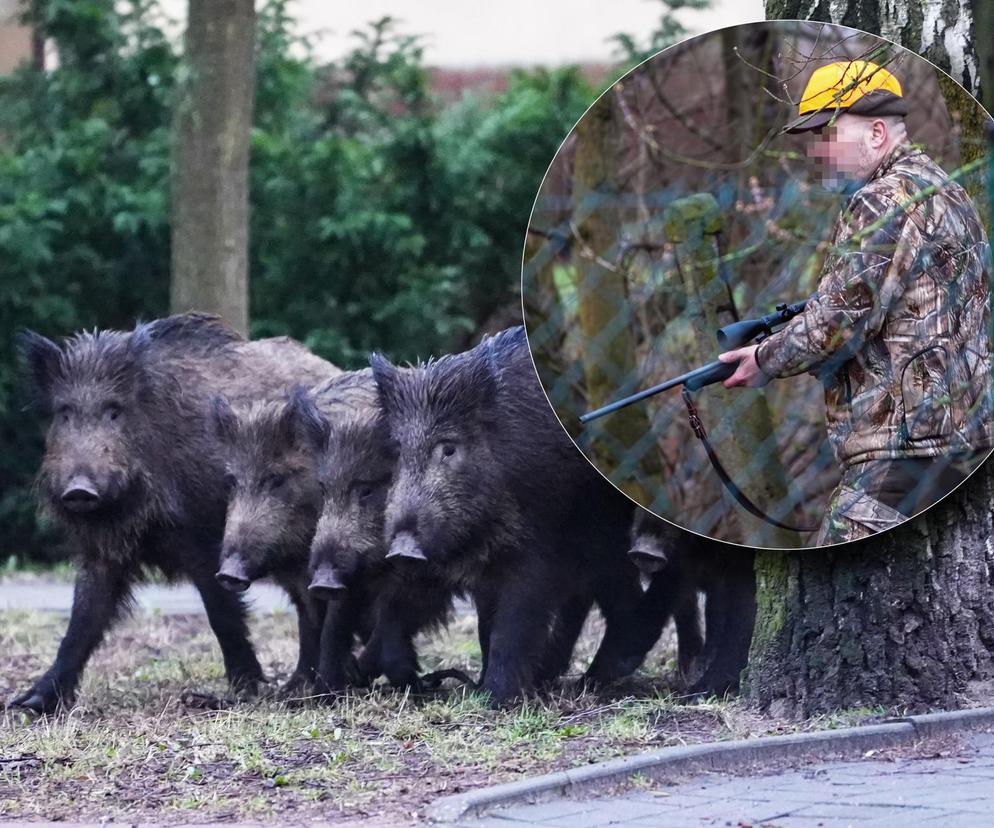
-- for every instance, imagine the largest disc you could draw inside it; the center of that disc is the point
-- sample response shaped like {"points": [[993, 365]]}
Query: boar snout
{"points": [[405, 546], [80, 494], [648, 559], [233, 574], [326, 582]]}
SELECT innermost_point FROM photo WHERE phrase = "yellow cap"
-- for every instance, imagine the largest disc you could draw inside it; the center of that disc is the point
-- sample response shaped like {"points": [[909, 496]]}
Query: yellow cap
{"points": [[856, 86]]}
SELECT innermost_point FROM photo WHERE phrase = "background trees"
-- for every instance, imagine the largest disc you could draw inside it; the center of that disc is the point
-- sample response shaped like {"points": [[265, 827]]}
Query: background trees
{"points": [[381, 216]]}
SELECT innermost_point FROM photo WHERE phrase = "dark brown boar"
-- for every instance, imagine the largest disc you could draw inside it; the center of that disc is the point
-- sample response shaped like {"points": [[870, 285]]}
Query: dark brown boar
{"points": [[680, 565], [133, 475], [492, 499], [274, 452], [348, 553]]}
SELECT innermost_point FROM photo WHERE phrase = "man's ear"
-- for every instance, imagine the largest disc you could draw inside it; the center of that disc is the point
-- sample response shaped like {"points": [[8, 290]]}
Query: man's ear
{"points": [[879, 133]]}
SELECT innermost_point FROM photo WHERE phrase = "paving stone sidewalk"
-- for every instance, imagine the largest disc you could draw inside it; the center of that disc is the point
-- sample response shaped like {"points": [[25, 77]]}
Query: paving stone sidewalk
{"points": [[949, 791]]}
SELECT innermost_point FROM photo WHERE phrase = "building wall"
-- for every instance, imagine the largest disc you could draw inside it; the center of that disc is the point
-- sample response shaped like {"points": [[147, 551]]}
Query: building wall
{"points": [[15, 40]]}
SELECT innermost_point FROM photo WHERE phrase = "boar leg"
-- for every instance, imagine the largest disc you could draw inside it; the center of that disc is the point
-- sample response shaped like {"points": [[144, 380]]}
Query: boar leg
{"points": [[524, 608], [730, 614], [390, 649], [565, 632], [627, 642], [627, 636], [226, 614], [689, 636], [310, 615], [100, 595], [341, 622]]}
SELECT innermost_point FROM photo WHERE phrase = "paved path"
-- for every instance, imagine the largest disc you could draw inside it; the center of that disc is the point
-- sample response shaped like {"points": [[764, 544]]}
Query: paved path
{"points": [[182, 599], [954, 791]]}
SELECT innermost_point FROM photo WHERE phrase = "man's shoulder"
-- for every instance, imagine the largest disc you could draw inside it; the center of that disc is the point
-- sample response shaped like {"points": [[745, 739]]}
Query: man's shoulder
{"points": [[905, 179], [915, 183]]}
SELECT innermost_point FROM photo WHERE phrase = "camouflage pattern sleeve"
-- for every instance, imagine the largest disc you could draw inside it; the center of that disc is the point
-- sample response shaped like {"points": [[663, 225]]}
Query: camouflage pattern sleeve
{"points": [[876, 248]]}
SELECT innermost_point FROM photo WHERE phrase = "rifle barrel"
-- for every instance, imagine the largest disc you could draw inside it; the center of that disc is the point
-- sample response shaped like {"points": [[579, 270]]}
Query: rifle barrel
{"points": [[648, 392]]}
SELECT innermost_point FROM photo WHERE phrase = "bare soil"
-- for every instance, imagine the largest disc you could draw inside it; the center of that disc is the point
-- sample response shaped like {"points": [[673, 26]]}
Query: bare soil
{"points": [[138, 745]]}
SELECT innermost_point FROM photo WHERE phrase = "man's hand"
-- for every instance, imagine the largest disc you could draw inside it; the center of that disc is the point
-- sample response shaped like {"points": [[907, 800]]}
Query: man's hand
{"points": [[748, 372]]}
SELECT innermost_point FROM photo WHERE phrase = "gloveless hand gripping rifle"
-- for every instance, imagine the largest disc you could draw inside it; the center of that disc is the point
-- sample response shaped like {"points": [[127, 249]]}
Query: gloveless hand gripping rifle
{"points": [[730, 337]]}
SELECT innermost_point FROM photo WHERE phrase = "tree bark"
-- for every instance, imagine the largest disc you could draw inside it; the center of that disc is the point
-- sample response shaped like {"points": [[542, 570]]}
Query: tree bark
{"points": [[602, 298], [903, 619], [210, 210], [943, 32]]}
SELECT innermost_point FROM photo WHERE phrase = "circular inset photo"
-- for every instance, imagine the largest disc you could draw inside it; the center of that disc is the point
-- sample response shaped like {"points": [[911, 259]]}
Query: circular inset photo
{"points": [[756, 284]]}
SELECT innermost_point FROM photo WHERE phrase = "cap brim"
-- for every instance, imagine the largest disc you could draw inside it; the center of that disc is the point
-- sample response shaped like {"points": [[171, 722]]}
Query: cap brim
{"points": [[877, 102], [810, 121]]}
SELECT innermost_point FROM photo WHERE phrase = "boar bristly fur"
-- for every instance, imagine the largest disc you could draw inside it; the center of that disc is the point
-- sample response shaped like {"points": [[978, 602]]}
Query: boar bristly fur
{"points": [[681, 565], [133, 475], [274, 455], [486, 487]]}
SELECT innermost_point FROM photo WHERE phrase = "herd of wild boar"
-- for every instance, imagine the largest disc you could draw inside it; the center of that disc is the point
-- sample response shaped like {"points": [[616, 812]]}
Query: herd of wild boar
{"points": [[375, 498]]}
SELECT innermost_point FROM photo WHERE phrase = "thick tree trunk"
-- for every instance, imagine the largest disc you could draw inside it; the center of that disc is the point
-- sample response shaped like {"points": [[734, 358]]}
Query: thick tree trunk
{"points": [[942, 31], [210, 161], [905, 619]]}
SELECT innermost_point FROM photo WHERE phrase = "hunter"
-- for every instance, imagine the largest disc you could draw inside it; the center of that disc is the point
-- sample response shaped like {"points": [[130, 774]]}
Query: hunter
{"points": [[899, 329]]}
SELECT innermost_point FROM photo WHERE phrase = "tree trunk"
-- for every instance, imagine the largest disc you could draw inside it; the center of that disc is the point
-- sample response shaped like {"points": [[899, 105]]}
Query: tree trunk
{"points": [[602, 297], [738, 419], [943, 32], [905, 619], [210, 210]]}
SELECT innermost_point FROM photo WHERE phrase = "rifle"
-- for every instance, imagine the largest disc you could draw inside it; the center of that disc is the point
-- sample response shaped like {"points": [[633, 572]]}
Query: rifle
{"points": [[730, 337]]}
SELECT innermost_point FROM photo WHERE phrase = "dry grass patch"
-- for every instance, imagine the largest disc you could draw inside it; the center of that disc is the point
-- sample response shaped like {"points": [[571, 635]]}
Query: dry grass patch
{"points": [[131, 750]]}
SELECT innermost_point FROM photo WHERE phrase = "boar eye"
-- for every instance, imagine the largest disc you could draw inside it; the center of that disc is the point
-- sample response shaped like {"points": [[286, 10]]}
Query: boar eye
{"points": [[274, 480], [445, 449], [230, 481], [63, 412], [112, 411]]}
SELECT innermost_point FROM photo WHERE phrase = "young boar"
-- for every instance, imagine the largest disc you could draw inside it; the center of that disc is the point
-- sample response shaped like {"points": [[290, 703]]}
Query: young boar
{"points": [[680, 565], [491, 498], [348, 552], [274, 451], [133, 476]]}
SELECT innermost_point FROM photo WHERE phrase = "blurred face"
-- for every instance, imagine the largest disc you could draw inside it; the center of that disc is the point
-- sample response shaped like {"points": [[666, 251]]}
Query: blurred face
{"points": [[849, 149]]}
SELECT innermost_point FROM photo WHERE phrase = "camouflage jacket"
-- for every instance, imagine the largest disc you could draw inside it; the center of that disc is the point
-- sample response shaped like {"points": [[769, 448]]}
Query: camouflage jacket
{"points": [[899, 329]]}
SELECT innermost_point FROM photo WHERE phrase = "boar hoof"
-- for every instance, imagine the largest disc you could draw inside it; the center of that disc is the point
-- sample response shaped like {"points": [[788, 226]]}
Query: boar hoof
{"points": [[298, 685], [44, 697], [245, 686], [711, 686]]}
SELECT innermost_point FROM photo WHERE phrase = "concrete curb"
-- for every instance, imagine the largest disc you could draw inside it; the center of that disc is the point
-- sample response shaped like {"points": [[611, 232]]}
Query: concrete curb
{"points": [[660, 764]]}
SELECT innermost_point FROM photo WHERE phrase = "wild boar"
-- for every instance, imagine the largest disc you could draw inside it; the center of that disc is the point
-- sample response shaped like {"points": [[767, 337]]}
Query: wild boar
{"points": [[274, 455], [491, 498], [133, 475], [348, 553], [681, 565]]}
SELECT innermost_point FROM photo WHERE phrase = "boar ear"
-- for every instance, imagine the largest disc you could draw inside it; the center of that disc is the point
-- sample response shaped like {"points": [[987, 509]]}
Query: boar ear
{"points": [[223, 421], [302, 417], [385, 373], [478, 379], [39, 363], [140, 340]]}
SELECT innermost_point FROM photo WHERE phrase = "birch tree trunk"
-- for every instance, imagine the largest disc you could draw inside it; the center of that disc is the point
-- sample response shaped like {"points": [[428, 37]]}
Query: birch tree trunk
{"points": [[210, 210], [905, 619]]}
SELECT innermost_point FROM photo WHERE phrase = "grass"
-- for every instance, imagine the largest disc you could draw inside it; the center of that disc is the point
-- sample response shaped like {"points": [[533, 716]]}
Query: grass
{"points": [[130, 749]]}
